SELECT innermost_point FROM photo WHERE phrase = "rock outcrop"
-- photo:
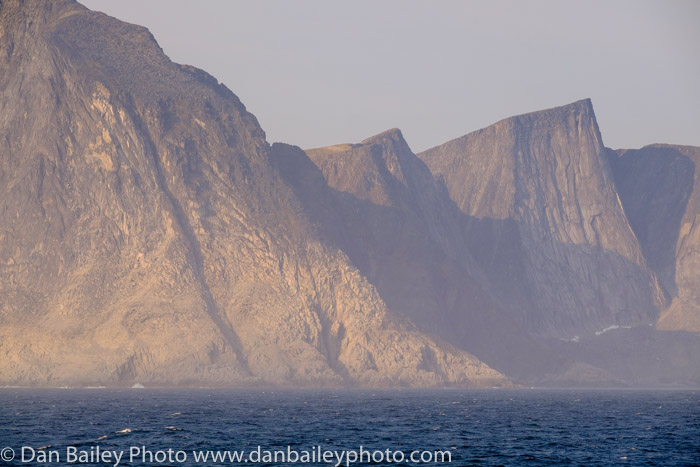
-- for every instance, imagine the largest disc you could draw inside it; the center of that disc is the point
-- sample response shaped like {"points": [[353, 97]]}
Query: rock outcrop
{"points": [[149, 233], [659, 186], [398, 228], [146, 235], [547, 224], [379, 203]]}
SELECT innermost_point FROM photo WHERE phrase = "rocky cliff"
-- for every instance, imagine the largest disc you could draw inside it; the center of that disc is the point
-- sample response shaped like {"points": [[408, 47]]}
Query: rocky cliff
{"points": [[401, 231], [429, 260], [149, 233], [549, 227], [381, 205], [146, 235], [659, 186]]}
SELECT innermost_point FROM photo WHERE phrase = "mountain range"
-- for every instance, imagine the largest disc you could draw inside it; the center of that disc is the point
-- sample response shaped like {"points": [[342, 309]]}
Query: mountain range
{"points": [[150, 233]]}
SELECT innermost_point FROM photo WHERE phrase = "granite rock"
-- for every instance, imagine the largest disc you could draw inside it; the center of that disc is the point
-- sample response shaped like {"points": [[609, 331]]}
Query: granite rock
{"points": [[146, 235]]}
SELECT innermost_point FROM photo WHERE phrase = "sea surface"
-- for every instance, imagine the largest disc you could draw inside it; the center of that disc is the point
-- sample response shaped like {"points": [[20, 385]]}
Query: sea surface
{"points": [[476, 427]]}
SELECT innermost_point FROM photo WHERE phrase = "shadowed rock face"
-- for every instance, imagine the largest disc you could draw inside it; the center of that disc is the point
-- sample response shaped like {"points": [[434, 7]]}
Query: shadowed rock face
{"points": [[399, 228], [539, 188], [658, 187], [377, 202], [382, 207], [146, 236]]}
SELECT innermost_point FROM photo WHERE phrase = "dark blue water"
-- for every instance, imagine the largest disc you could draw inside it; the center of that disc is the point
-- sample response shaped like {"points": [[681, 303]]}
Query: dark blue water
{"points": [[476, 427]]}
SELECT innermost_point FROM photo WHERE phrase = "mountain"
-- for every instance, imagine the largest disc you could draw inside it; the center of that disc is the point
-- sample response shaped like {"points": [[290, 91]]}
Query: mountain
{"points": [[400, 230], [659, 187], [574, 241], [148, 235], [548, 224], [380, 204]]}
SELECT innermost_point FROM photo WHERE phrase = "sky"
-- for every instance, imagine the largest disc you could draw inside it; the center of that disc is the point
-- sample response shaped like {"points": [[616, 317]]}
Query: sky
{"points": [[320, 72]]}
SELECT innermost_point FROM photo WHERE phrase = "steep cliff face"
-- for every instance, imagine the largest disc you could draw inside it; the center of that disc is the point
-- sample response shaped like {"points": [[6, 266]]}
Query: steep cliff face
{"points": [[379, 203], [394, 225], [658, 186], [146, 236], [539, 188], [149, 233], [409, 218]]}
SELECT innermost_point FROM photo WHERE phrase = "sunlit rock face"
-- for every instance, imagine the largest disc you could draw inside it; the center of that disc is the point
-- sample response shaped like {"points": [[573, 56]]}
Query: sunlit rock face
{"points": [[547, 224], [150, 234], [146, 236]]}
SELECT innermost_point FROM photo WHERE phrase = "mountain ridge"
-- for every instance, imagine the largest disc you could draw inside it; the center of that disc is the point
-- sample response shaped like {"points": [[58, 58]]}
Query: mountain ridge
{"points": [[178, 255], [548, 171], [150, 233]]}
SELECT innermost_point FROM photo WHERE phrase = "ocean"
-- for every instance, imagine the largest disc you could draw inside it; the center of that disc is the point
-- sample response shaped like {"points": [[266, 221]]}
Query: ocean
{"points": [[455, 427]]}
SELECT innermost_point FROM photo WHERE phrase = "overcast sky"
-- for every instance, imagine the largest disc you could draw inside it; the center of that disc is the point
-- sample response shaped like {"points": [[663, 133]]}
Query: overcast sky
{"points": [[319, 72]]}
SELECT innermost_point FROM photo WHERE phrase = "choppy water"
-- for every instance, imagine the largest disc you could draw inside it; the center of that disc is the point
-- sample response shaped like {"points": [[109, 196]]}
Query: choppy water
{"points": [[477, 427]]}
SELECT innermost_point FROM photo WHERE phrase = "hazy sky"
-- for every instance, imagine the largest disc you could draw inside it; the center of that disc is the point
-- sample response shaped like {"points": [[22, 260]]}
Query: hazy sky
{"points": [[319, 72]]}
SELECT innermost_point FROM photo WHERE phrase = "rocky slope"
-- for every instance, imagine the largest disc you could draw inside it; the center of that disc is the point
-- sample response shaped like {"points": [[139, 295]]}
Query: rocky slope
{"points": [[380, 204], [149, 233], [146, 235], [586, 247], [397, 226], [659, 186], [547, 224]]}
